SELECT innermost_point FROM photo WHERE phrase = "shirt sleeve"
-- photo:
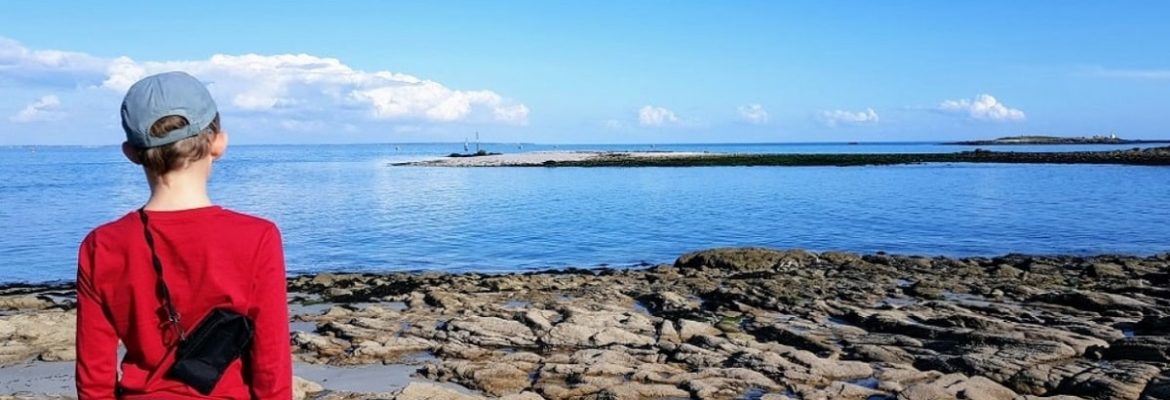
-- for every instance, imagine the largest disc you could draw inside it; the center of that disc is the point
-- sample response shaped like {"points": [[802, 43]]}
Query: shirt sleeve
{"points": [[97, 342], [271, 354]]}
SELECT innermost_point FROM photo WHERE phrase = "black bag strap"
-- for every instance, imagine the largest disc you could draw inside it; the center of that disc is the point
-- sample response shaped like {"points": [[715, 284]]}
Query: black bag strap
{"points": [[164, 293]]}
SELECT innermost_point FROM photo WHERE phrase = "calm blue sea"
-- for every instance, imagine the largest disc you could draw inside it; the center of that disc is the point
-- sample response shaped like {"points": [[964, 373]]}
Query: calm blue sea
{"points": [[341, 207]]}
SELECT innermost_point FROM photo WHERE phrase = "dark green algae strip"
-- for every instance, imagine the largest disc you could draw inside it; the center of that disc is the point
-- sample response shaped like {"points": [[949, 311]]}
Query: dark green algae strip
{"points": [[1153, 156]]}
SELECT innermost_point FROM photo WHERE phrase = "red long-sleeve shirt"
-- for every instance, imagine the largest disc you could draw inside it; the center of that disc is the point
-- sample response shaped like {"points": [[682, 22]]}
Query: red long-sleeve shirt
{"points": [[212, 258]]}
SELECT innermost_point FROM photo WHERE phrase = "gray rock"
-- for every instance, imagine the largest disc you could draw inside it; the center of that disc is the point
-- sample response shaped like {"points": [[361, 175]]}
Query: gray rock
{"points": [[745, 259], [1141, 348]]}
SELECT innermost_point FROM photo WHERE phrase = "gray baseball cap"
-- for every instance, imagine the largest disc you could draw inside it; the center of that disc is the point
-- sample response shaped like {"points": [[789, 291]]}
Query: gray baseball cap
{"points": [[165, 94]]}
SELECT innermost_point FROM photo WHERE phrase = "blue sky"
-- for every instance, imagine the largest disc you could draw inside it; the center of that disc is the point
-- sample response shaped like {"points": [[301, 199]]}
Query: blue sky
{"points": [[597, 71]]}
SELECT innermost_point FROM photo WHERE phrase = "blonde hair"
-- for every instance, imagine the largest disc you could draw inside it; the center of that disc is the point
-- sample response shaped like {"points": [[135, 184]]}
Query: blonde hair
{"points": [[170, 157]]}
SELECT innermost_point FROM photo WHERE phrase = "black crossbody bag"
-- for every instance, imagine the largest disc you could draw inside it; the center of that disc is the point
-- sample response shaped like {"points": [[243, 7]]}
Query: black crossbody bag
{"points": [[218, 340]]}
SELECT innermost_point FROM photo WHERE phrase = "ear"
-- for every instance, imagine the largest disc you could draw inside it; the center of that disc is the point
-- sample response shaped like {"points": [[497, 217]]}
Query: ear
{"points": [[131, 153], [219, 144]]}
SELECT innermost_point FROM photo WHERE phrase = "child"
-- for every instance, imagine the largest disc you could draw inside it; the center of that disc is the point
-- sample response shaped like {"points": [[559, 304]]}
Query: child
{"points": [[210, 258]]}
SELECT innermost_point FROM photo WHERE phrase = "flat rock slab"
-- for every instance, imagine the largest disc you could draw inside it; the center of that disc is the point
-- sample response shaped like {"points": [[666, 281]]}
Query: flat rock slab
{"points": [[719, 324], [56, 378]]}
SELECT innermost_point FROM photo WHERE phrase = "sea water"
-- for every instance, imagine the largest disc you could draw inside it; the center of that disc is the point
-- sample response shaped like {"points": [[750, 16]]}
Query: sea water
{"points": [[343, 207]]}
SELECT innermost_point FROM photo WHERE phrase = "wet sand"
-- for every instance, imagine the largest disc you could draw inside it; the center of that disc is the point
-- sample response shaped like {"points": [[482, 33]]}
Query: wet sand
{"points": [[543, 158]]}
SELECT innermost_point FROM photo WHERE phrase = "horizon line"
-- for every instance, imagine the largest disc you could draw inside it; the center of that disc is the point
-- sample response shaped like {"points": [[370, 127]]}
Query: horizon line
{"points": [[891, 142]]}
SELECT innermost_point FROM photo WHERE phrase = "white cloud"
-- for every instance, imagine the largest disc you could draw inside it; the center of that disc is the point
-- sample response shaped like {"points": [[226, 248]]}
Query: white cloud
{"points": [[983, 107], [838, 117], [43, 109], [515, 114], [754, 114], [18, 61], [300, 81], [656, 116], [303, 125], [283, 84], [613, 124]]}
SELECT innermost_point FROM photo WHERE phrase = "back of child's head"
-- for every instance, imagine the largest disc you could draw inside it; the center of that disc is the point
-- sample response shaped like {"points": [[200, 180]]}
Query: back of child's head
{"points": [[170, 157], [170, 120]]}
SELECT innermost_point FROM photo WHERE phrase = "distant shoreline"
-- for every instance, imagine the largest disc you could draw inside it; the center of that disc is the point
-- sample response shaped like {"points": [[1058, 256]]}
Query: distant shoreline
{"points": [[1149, 156], [1052, 140], [583, 146]]}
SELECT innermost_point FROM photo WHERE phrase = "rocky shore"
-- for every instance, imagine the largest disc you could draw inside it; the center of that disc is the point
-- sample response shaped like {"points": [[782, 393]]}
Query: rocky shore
{"points": [[722, 324], [1136, 156], [1024, 140]]}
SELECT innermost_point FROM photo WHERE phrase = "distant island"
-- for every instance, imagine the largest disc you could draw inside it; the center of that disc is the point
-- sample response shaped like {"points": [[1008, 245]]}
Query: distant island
{"points": [[1135, 156], [1037, 139]]}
